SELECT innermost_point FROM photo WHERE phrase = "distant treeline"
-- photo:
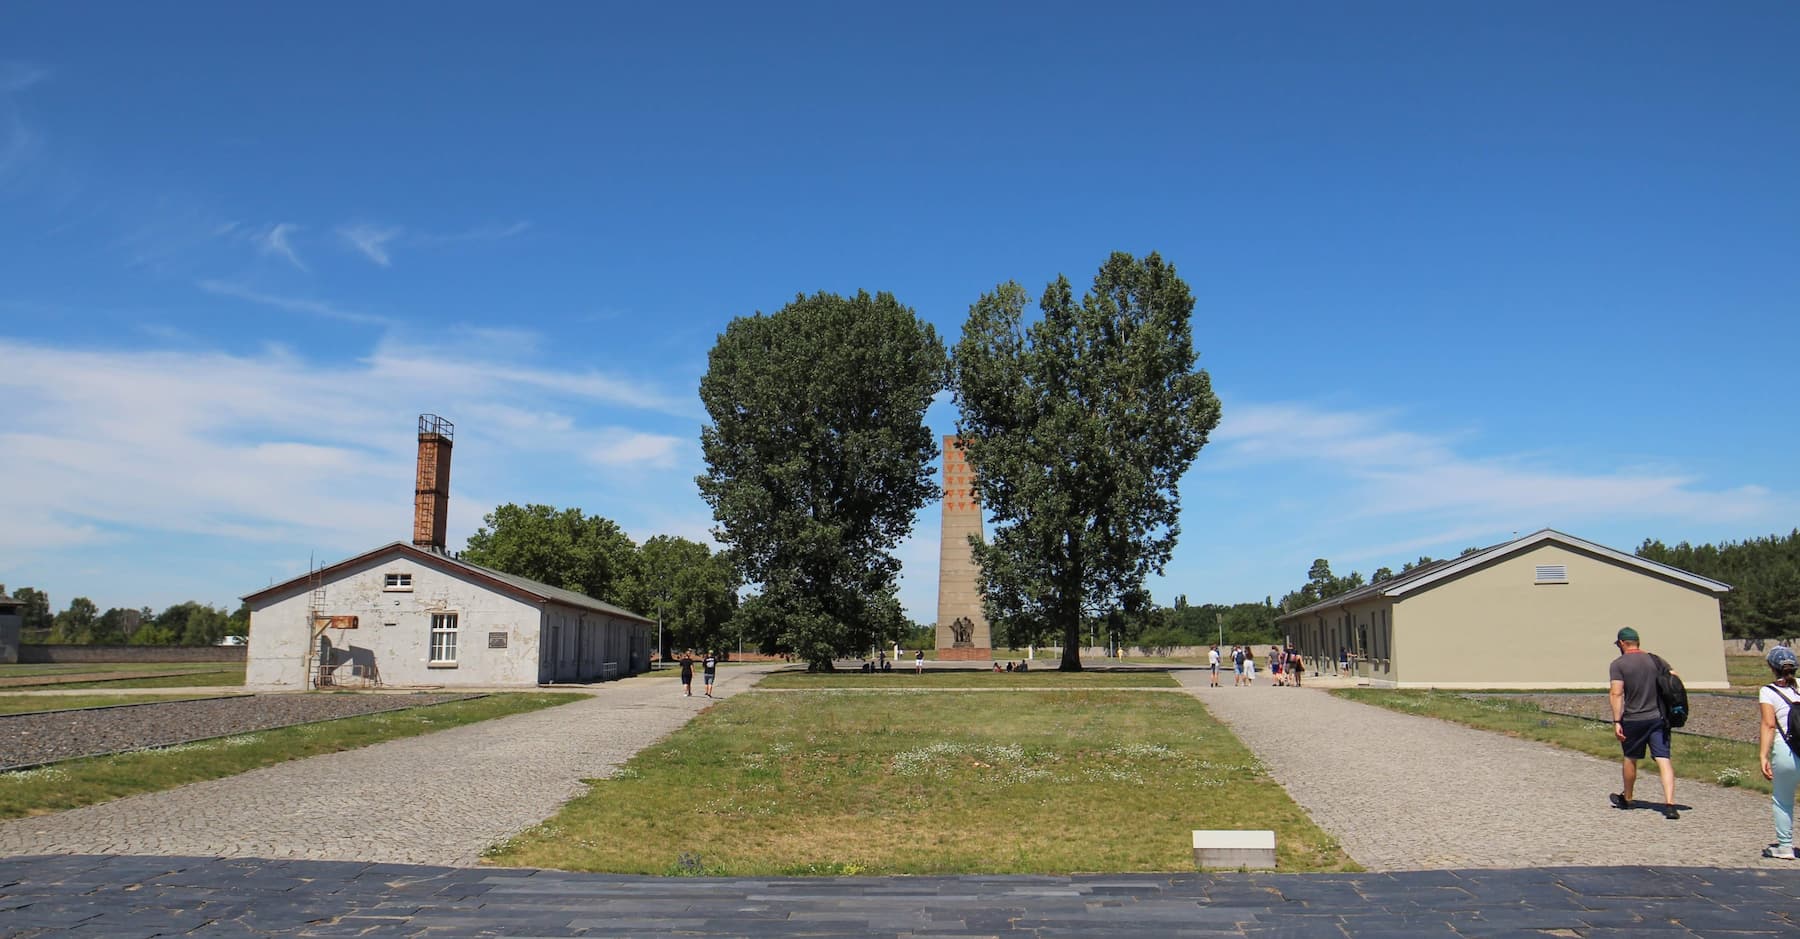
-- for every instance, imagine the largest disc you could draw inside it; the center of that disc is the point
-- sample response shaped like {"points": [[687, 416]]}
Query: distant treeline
{"points": [[82, 623], [1764, 574], [1155, 627]]}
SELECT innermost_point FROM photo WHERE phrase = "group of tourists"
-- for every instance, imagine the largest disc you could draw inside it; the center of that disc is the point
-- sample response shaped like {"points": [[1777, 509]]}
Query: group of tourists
{"points": [[1285, 665], [1639, 691]]}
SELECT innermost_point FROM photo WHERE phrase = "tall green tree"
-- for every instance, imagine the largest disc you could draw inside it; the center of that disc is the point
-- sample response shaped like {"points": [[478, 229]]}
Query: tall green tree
{"points": [[34, 608], [75, 625], [563, 548], [115, 626], [1320, 577], [1764, 574], [1078, 428], [240, 621], [817, 459], [689, 589]]}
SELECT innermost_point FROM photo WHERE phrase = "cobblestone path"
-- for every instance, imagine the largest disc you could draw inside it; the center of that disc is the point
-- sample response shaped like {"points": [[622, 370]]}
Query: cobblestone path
{"points": [[1404, 792], [434, 799]]}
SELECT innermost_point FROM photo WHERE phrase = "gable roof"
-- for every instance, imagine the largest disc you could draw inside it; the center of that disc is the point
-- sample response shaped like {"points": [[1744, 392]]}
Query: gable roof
{"points": [[522, 587], [1423, 578]]}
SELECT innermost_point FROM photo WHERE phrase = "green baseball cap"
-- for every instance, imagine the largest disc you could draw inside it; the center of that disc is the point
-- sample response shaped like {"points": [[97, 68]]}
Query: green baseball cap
{"points": [[1627, 635]]}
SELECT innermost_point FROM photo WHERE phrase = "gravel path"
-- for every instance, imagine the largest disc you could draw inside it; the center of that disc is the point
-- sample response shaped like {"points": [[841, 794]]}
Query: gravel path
{"points": [[439, 798], [1709, 715], [43, 738], [1404, 792]]}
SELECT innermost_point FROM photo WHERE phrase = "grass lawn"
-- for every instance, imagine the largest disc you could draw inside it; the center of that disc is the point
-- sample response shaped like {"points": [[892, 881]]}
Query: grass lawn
{"points": [[212, 676], [899, 679], [75, 783], [846, 783], [93, 668], [1709, 759], [28, 703], [1746, 673]]}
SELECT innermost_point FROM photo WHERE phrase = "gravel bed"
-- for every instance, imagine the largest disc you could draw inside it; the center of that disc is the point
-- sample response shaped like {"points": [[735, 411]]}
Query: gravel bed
{"points": [[1709, 715], [30, 739]]}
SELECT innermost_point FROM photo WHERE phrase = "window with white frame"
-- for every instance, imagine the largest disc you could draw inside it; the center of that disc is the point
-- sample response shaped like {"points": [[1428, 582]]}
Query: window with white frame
{"points": [[443, 638], [395, 581], [1552, 574]]}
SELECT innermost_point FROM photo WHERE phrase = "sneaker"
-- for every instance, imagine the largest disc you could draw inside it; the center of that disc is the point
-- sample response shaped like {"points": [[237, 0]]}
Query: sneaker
{"points": [[1619, 801], [1779, 853], [1670, 813]]}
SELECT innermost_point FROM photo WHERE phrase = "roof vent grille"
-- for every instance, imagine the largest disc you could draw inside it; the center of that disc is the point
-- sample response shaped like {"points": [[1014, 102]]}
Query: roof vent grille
{"points": [[1552, 573]]}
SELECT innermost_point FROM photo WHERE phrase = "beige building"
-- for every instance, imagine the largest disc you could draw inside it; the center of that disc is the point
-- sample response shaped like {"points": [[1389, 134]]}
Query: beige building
{"points": [[1537, 612]]}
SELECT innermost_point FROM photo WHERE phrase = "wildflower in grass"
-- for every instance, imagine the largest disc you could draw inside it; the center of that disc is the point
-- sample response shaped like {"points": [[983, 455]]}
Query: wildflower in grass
{"points": [[41, 774]]}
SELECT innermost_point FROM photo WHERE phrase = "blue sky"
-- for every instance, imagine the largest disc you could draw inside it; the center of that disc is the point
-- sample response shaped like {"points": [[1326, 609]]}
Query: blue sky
{"points": [[1461, 269]]}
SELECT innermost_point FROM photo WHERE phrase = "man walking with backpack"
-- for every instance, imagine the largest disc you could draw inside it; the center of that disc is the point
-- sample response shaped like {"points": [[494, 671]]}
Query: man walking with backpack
{"points": [[1638, 719]]}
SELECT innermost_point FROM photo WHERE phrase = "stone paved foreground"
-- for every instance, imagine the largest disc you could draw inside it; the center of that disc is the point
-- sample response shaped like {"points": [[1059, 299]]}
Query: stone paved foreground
{"points": [[1404, 792], [126, 897], [434, 799]]}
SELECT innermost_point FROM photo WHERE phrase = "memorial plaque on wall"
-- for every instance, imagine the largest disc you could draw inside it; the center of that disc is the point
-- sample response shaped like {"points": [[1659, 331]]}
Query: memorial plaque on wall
{"points": [[496, 640]]}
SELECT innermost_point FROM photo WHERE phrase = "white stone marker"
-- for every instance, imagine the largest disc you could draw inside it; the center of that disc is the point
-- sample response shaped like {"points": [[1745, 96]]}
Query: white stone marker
{"points": [[1234, 849]]}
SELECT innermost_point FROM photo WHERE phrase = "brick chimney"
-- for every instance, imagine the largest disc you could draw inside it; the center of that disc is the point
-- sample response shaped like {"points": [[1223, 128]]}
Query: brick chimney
{"points": [[431, 497]]}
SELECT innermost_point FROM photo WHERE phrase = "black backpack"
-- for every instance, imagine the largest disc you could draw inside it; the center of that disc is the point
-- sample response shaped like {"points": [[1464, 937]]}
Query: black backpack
{"points": [[1672, 693], [1790, 733]]}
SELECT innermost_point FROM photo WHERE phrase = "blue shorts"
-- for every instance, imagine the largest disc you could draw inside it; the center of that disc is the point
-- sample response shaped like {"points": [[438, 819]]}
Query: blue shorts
{"points": [[1652, 733]]}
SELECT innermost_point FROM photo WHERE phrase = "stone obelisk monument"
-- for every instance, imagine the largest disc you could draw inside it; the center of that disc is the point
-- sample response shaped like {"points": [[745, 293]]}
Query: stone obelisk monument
{"points": [[962, 630]]}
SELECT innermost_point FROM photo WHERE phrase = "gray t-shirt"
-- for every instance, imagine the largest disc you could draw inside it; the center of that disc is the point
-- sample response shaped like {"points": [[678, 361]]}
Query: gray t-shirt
{"points": [[1638, 671]]}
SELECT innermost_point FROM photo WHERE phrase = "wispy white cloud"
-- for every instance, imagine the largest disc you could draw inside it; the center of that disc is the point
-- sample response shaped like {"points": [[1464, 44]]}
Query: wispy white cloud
{"points": [[274, 242], [376, 242], [291, 304], [495, 232], [1388, 471], [20, 143], [371, 240], [272, 448], [17, 76], [471, 356], [635, 448]]}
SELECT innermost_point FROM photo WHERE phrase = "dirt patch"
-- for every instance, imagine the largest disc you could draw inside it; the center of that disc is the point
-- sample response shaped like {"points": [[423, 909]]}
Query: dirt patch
{"points": [[1726, 716]]}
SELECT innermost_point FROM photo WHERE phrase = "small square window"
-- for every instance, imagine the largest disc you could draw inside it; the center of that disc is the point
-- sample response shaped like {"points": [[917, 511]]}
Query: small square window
{"points": [[397, 582]]}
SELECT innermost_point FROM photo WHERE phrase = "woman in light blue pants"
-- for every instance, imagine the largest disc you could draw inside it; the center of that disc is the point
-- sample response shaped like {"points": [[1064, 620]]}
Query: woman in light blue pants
{"points": [[1779, 766]]}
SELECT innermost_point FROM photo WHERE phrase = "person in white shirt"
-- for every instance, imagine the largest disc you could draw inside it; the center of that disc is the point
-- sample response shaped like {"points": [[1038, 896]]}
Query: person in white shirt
{"points": [[1779, 764], [1212, 661]]}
